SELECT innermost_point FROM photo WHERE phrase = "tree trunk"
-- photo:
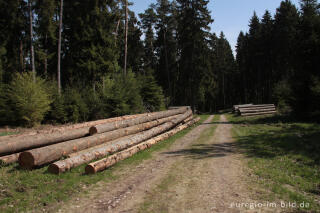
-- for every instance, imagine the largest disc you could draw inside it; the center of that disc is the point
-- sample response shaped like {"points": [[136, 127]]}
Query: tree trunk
{"points": [[167, 64], [13, 158], [59, 47], [116, 33], [258, 113], [254, 106], [21, 57], [115, 146], [111, 160], [37, 157], [12, 144], [121, 124], [258, 109], [31, 41], [46, 58], [126, 39]]}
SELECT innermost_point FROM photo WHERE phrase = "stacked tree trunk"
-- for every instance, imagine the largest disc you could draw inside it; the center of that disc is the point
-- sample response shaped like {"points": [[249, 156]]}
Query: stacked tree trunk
{"points": [[77, 146], [11, 146], [235, 108], [252, 110]]}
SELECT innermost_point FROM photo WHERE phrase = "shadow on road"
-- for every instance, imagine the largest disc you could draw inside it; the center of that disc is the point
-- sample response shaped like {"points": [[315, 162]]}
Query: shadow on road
{"points": [[201, 151]]}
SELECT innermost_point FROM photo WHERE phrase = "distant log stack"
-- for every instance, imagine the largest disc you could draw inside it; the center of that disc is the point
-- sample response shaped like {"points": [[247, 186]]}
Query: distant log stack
{"points": [[235, 108], [93, 140], [252, 110]]}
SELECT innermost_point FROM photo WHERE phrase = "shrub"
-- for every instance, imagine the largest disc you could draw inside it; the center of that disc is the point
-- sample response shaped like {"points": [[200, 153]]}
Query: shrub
{"points": [[30, 100], [75, 106], [93, 100], [121, 95], [57, 112], [151, 93], [282, 93], [315, 98], [3, 105]]}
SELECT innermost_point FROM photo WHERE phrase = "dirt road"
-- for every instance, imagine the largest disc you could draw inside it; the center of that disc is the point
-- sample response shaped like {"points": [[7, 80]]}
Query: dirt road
{"points": [[201, 172]]}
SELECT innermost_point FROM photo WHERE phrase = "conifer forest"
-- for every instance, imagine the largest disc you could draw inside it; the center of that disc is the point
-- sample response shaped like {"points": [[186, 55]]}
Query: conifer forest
{"points": [[154, 106], [67, 61]]}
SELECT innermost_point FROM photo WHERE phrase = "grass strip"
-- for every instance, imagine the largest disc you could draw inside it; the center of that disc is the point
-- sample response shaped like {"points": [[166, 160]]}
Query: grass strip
{"points": [[284, 156]]}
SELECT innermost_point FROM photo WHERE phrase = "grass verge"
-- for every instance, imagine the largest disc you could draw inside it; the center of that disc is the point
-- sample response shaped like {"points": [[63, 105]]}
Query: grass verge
{"points": [[284, 156], [22, 190]]}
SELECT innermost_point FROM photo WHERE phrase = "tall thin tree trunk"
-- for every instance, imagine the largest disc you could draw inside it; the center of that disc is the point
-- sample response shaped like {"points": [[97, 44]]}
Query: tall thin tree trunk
{"points": [[59, 47], [46, 57], [126, 39], [167, 64], [223, 90], [31, 41], [21, 57], [116, 32]]}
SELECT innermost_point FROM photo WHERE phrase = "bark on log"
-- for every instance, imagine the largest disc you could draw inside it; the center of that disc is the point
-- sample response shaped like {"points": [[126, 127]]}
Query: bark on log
{"points": [[8, 159], [118, 145], [259, 113], [256, 106], [68, 127], [21, 143], [122, 124], [257, 110], [251, 108], [114, 141], [13, 146], [103, 164], [236, 107], [37, 157]]}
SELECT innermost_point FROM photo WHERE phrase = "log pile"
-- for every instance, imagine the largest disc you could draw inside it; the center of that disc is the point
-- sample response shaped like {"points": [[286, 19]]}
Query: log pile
{"points": [[71, 147], [235, 108], [252, 110]]}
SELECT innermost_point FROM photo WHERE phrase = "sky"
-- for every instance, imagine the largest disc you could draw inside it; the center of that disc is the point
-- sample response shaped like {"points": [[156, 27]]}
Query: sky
{"points": [[230, 16]]}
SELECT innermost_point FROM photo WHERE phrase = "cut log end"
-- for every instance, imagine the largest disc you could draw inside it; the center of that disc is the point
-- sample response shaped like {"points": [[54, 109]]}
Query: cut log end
{"points": [[54, 169], [26, 160], [90, 169], [93, 130]]}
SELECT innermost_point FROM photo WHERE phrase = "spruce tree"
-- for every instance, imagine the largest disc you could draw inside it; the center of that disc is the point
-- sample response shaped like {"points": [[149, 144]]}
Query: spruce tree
{"points": [[46, 28], [305, 81], [148, 20], [267, 57], [14, 37], [193, 30], [166, 46], [89, 52], [285, 32]]}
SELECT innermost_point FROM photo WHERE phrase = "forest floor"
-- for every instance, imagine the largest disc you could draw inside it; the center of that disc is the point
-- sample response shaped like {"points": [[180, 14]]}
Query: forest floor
{"points": [[200, 172]]}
